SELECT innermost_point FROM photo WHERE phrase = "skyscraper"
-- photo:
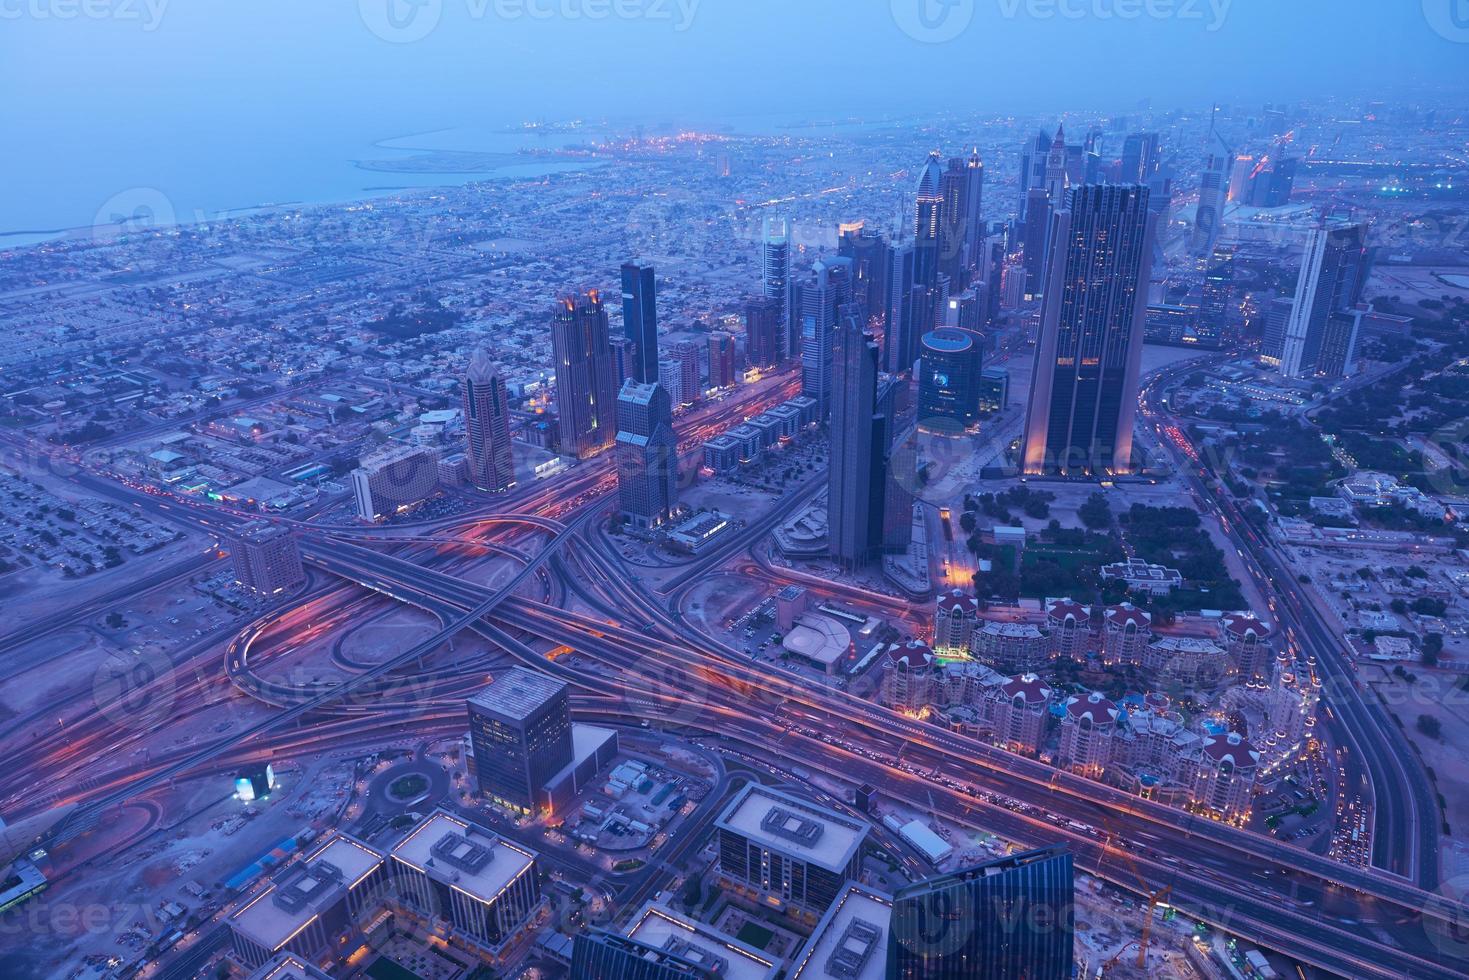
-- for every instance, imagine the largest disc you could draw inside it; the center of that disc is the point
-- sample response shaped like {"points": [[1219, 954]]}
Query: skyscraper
{"points": [[624, 358], [1083, 398], [1209, 217], [897, 348], [1333, 274], [647, 455], [817, 301], [872, 261], [1008, 919], [487, 425], [928, 221], [722, 368], [857, 472], [948, 381], [775, 278], [520, 731], [763, 330], [1033, 153], [961, 186], [1277, 319], [1215, 298], [586, 390], [1033, 246], [1139, 158], [640, 319], [686, 353], [267, 558]]}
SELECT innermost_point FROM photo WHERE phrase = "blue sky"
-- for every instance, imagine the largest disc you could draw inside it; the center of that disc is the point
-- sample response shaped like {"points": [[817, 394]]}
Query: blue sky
{"points": [[262, 60]]}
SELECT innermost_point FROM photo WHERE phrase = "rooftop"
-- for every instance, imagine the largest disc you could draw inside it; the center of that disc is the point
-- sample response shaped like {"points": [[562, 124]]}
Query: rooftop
{"points": [[288, 967], [662, 928], [300, 892], [795, 827], [851, 940], [517, 693], [458, 853]]}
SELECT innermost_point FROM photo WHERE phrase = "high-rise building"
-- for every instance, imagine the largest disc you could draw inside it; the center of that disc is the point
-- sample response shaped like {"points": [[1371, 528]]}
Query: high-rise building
{"points": [[788, 851], [872, 261], [1008, 919], [686, 354], [1333, 274], [817, 301], [722, 365], [856, 474], [520, 732], [763, 329], [923, 293], [775, 279], [1083, 398], [961, 186], [1139, 158], [395, 477], [1277, 319], [267, 558], [1215, 299], [1209, 217], [625, 356], [1033, 154], [586, 390], [600, 955], [671, 380], [487, 425], [640, 319], [647, 455], [950, 361], [1038, 207], [899, 326]]}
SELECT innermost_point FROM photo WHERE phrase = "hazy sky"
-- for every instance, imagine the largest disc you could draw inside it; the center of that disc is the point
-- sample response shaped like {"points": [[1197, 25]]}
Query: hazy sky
{"points": [[140, 63]]}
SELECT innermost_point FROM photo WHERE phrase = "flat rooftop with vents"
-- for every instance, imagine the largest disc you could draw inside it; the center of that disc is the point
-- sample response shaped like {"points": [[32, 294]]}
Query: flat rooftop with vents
{"points": [[727, 958], [303, 890], [851, 940], [795, 827], [455, 852]]}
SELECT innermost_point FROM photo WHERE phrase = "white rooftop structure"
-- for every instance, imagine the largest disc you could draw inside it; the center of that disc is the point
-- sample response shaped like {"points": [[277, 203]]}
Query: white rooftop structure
{"points": [[795, 827], [300, 892], [818, 638], [729, 959], [457, 853], [851, 940]]}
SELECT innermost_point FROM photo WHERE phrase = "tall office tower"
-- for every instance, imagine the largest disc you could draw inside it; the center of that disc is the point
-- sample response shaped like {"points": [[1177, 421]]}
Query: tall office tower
{"points": [[520, 732], [640, 319], [859, 431], [267, 559], [1212, 321], [1339, 345], [624, 358], [775, 279], [1037, 226], [928, 219], [817, 302], [1277, 319], [1083, 398], [586, 390], [722, 361], [898, 327], [600, 955], [960, 187], [1272, 181], [671, 379], [647, 455], [686, 353], [487, 425], [1139, 158], [1209, 217], [763, 330], [1033, 154], [1008, 919], [994, 276], [1057, 180], [872, 261], [1333, 274], [394, 478], [948, 379], [901, 469]]}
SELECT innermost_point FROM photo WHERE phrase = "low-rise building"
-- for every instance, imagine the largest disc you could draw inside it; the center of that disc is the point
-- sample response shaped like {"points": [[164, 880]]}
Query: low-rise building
{"points": [[1141, 576]]}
